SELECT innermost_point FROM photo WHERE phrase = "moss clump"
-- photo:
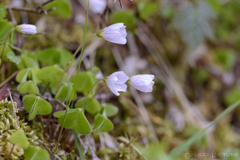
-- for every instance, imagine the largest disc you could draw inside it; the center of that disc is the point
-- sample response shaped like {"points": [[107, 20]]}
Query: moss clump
{"points": [[8, 125]]}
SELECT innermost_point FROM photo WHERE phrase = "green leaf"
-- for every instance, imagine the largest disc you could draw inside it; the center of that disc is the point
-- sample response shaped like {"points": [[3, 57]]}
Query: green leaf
{"points": [[75, 119], [226, 58], [5, 27], [124, 16], [13, 58], [52, 75], [147, 9], [28, 87], [63, 8], [53, 56], [91, 105], [35, 153], [34, 104], [28, 59], [84, 81], [22, 75], [3, 11], [66, 91], [19, 137], [232, 96], [103, 123], [109, 110], [181, 148]]}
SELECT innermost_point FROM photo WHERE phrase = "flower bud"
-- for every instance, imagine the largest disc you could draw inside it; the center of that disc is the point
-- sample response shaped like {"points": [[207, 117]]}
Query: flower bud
{"points": [[26, 29]]}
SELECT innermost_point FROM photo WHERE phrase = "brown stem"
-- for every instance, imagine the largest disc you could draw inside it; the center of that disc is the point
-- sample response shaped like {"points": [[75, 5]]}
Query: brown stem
{"points": [[9, 157], [8, 79], [14, 112], [12, 16]]}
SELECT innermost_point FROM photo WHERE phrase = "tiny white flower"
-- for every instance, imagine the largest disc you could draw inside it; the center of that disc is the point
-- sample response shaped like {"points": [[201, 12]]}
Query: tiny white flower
{"points": [[116, 82], [26, 29], [142, 82], [115, 33], [97, 6]]}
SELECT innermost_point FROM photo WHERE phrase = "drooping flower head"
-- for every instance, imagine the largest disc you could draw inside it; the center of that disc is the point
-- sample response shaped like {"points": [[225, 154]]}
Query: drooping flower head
{"points": [[26, 29], [116, 82], [142, 82], [115, 33], [97, 6]]}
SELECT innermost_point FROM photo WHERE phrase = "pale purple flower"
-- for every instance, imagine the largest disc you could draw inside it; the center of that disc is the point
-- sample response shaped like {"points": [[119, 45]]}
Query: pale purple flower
{"points": [[116, 82], [142, 82], [97, 6], [115, 33], [26, 29]]}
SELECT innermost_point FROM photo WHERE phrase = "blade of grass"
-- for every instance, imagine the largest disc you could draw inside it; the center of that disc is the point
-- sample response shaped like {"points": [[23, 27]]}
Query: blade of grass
{"points": [[80, 150], [178, 150]]}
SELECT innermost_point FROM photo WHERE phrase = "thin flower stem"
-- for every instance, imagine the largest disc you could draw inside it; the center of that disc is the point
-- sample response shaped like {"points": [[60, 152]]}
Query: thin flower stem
{"points": [[5, 42], [65, 116], [89, 92]]}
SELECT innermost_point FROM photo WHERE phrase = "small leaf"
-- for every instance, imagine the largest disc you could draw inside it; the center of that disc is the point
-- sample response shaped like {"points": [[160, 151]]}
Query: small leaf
{"points": [[109, 110], [63, 8], [147, 9], [124, 16], [75, 119], [103, 123], [34, 104], [19, 137], [22, 75], [84, 82], [5, 27], [3, 11], [53, 56], [13, 58], [63, 92], [91, 105], [35, 153], [28, 87]]}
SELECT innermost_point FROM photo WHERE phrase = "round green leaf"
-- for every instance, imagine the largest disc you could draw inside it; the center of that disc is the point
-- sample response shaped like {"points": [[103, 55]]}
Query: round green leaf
{"points": [[75, 119], [28, 87], [51, 74], [5, 26], [35, 153], [84, 82], [34, 104], [63, 8], [103, 123], [109, 110], [19, 137], [91, 105], [21, 74]]}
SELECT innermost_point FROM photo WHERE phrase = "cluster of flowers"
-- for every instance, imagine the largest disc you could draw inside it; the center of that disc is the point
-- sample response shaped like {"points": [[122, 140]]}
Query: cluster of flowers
{"points": [[115, 33], [116, 82]]}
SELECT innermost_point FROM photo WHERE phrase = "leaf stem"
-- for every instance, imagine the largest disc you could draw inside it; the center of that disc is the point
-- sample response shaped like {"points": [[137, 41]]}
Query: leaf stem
{"points": [[89, 92]]}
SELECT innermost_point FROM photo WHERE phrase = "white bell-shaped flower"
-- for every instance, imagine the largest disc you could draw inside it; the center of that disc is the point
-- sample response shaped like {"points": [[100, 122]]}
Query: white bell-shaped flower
{"points": [[142, 82], [26, 29], [115, 33], [116, 82], [97, 6]]}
